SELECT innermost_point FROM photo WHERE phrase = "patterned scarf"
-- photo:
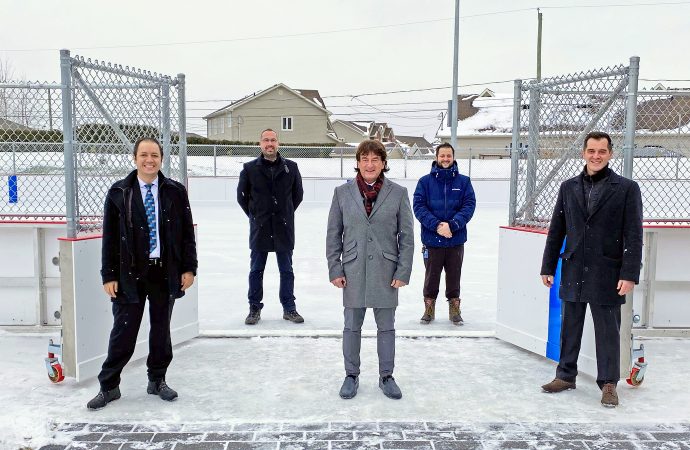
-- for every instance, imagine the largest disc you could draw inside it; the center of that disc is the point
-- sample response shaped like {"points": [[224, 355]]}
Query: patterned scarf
{"points": [[369, 192]]}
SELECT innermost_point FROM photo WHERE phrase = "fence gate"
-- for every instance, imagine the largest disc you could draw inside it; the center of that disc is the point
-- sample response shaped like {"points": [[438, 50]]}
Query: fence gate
{"points": [[551, 119], [106, 108]]}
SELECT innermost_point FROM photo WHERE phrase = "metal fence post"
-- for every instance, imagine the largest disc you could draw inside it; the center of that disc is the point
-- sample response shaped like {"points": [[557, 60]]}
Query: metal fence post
{"points": [[165, 119], [533, 150], [405, 167], [68, 143], [469, 163], [182, 127], [514, 153], [215, 167], [630, 116]]}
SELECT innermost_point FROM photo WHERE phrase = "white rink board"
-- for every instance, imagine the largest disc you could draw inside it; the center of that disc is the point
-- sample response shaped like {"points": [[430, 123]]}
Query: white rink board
{"points": [[224, 189], [24, 268], [88, 317], [522, 311]]}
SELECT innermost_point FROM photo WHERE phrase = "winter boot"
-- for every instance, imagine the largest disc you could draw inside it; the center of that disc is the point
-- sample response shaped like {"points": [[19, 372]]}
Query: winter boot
{"points": [[253, 317], [454, 311], [429, 310]]}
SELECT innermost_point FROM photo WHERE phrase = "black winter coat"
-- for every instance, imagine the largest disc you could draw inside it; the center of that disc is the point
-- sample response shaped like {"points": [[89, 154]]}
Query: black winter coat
{"points": [[126, 236], [601, 248], [269, 194]]}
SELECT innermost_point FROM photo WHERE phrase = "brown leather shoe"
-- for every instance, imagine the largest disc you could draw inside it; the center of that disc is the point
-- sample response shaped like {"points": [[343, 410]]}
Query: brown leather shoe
{"points": [[558, 385], [609, 397]]}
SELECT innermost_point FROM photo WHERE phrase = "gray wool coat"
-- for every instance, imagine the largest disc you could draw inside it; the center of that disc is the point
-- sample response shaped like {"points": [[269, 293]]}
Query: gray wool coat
{"points": [[370, 252]]}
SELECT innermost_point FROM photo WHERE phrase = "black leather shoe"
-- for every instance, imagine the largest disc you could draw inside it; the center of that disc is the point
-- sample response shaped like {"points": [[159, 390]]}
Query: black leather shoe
{"points": [[103, 398], [349, 387], [389, 387], [293, 316], [161, 389]]}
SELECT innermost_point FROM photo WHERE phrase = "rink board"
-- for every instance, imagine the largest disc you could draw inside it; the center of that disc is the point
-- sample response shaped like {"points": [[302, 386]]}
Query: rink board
{"points": [[527, 313], [87, 311]]}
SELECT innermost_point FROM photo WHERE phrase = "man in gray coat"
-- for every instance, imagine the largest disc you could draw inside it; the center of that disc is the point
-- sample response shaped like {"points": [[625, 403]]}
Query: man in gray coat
{"points": [[369, 248]]}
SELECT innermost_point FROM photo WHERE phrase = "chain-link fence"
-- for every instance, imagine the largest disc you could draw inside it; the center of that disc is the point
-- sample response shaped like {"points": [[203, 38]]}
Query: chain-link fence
{"points": [[31, 157], [339, 162], [88, 124], [662, 155], [649, 129]]}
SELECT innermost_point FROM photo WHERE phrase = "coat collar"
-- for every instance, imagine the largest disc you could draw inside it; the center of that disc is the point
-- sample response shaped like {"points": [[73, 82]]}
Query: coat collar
{"points": [[610, 188], [440, 173], [132, 191], [386, 188]]}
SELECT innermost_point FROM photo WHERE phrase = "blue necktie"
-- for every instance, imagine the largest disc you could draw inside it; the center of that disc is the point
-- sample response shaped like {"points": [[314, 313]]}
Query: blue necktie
{"points": [[150, 217]]}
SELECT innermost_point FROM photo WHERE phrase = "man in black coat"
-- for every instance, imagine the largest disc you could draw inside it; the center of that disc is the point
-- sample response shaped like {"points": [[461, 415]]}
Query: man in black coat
{"points": [[599, 213], [269, 191], [149, 251]]}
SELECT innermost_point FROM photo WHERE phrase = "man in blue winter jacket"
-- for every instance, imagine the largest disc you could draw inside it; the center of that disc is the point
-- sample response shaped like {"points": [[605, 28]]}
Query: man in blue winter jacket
{"points": [[444, 202]]}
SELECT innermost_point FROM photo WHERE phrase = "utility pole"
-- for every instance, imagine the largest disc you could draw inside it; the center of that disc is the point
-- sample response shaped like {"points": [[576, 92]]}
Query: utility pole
{"points": [[454, 98], [538, 45]]}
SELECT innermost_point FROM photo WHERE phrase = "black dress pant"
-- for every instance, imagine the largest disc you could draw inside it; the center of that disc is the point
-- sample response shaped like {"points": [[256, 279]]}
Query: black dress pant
{"points": [[127, 319], [437, 260], [607, 325]]}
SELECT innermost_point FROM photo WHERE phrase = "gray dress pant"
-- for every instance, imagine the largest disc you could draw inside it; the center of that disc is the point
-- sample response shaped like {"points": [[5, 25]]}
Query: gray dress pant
{"points": [[385, 339]]}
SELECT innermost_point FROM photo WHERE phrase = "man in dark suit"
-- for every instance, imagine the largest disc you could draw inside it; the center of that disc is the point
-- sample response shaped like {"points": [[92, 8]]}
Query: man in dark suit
{"points": [[599, 213], [149, 251], [269, 191]]}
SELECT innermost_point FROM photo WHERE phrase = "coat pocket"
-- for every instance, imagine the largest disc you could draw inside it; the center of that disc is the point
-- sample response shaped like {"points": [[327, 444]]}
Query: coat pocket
{"points": [[612, 262], [349, 257], [390, 256], [566, 255], [349, 246]]}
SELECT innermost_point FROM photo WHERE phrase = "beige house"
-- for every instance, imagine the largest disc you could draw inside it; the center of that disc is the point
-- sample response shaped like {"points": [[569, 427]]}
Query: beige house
{"points": [[350, 132], [298, 115], [416, 146]]}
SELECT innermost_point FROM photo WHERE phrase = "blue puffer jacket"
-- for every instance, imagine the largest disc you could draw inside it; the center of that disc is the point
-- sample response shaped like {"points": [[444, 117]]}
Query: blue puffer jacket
{"points": [[444, 195]]}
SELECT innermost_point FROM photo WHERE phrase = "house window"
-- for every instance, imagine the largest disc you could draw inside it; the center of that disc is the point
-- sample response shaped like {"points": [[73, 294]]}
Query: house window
{"points": [[286, 124], [217, 125]]}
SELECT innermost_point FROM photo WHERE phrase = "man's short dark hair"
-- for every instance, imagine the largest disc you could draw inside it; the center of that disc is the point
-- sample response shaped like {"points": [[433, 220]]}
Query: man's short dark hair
{"points": [[268, 129], [445, 145], [375, 147], [597, 135], [147, 139]]}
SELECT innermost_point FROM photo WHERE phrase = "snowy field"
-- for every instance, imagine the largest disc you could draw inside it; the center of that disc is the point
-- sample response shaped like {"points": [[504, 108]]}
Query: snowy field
{"points": [[466, 376]]}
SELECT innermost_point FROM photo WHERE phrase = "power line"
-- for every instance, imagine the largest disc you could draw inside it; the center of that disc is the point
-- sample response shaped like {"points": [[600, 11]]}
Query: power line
{"points": [[346, 30]]}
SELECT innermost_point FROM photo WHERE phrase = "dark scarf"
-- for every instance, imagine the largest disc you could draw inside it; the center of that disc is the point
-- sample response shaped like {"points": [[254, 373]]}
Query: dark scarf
{"points": [[369, 192]]}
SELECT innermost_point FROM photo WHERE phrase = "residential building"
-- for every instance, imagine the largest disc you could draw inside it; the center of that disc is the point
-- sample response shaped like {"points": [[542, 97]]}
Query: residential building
{"points": [[298, 115]]}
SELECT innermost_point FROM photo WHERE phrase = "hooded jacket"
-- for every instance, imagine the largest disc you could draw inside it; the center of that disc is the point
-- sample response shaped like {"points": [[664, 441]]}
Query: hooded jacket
{"points": [[445, 195]]}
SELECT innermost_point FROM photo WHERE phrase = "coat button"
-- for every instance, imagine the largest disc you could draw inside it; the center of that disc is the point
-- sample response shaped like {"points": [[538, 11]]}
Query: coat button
{"points": [[370, 239], [586, 269], [371, 256]]}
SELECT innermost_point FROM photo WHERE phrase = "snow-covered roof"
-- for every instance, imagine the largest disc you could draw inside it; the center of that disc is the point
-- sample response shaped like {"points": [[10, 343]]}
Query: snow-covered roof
{"points": [[494, 116]]}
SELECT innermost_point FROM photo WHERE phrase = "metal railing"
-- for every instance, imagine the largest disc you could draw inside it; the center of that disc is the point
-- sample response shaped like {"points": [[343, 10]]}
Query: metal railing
{"points": [[339, 162]]}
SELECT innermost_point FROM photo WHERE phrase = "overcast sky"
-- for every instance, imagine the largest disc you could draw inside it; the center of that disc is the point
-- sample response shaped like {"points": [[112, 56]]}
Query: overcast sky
{"points": [[347, 47]]}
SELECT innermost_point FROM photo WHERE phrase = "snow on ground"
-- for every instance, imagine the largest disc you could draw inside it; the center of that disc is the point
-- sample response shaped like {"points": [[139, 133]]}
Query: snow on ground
{"points": [[297, 379]]}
